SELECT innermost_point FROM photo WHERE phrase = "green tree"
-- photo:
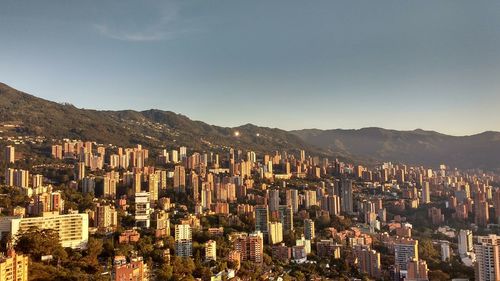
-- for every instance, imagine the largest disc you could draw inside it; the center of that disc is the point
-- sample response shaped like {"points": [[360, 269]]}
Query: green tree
{"points": [[40, 242], [94, 249], [165, 272], [427, 250]]}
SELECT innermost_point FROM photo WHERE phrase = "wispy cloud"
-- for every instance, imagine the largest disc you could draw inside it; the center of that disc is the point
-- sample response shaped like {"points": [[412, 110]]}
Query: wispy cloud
{"points": [[125, 35], [164, 24]]}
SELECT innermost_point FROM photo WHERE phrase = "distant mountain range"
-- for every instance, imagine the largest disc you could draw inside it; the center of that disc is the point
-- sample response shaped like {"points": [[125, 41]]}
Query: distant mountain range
{"points": [[157, 128], [414, 147]]}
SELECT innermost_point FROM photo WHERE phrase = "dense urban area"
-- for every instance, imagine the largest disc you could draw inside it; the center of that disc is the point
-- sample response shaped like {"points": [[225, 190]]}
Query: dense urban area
{"points": [[83, 210]]}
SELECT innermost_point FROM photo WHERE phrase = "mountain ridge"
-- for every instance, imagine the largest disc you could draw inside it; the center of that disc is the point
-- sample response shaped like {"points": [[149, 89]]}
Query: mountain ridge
{"points": [[153, 127], [158, 128], [413, 147]]}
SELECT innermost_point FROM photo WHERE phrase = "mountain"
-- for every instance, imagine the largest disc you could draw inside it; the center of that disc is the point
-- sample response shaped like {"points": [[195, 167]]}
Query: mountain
{"points": [[412, 147], [156, 128]]}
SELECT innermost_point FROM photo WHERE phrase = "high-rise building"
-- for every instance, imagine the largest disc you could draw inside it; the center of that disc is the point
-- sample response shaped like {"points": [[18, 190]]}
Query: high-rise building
{"points": [[436, 216], [304, 243], [400, 176], [251, 156], [183, 240], [281, 252], [153, 187], [106, 216], [114, 161], [17, 177], [275, 232], [250, 247], [346, 200], [445, 251], [426, 193], [88, 184], [487, 252], [142, 210], [496, 204], [109, 186], [47, 202], [302, 156], [206, 197], [286, 217], [482, 213], [9, 177], [180, 179], [465, 242], [36, 180], [10, 154], [22, 178], [211, 250], [310, 198], [174, 156], [161, 223], [309, 231], [81, 170], [182, 152], [333, 202], [137, 183], [368, 261], [194, 183], [274, 200], [73, 229], [416, 270], [240, 244], [405, 249], [328, 248], [57, 151], [14, 267], [262, 219], [292, 199]]}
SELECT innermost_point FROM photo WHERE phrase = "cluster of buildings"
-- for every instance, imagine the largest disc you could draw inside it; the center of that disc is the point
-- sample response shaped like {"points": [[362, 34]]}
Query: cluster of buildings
{"points": [[282, 192]]}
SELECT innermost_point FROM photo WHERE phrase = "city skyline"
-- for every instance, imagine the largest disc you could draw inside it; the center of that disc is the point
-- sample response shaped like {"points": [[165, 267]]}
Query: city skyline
{"points": [[406, 65], [315, 202], [220, 140]]}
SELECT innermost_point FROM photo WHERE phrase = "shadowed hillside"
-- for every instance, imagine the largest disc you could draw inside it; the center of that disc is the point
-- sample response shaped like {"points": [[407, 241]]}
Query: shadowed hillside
{"points": [[155, 128], [414, 147]]}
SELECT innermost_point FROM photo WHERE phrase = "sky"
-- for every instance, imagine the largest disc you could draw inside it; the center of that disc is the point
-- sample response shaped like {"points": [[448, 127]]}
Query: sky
{"points": [[402, 64]]}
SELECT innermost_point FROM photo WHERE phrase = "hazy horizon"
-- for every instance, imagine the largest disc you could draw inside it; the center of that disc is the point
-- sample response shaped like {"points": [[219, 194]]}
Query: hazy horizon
{"points": [[284, 64]]}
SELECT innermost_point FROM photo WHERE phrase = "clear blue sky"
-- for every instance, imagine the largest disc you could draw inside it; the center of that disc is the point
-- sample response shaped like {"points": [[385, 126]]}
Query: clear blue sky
{"points": [[291, 64]]}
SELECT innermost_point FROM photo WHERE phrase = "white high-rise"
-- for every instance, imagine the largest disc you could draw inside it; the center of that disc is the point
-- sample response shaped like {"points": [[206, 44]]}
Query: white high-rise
{"points": [[183, 152], [142, 209], [465, 245], [183, 240], [73, 229], [445, 251], [211, 250]]}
